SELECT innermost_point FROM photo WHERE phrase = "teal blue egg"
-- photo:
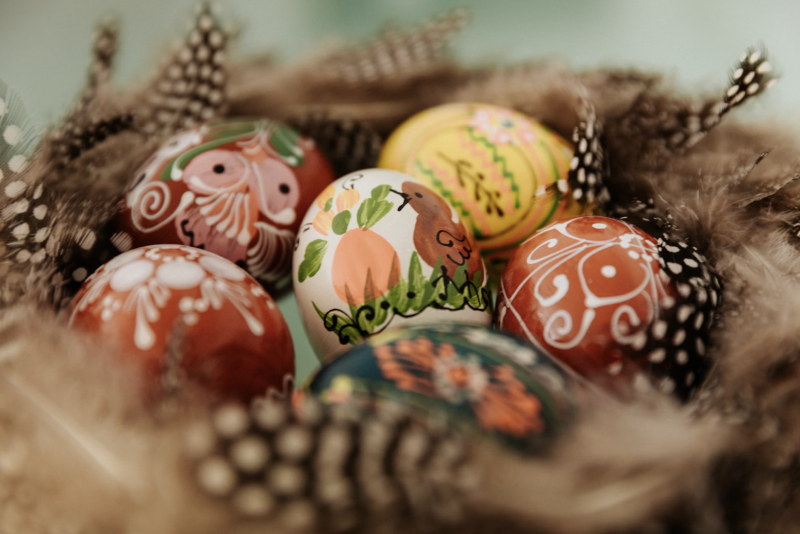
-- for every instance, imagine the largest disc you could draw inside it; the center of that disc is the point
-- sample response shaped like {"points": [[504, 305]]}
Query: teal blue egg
{"points": [[470, 377]]}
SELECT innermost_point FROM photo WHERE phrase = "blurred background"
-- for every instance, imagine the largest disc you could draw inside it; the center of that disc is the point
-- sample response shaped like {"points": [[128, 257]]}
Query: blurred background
{"points": [[44, 45]]}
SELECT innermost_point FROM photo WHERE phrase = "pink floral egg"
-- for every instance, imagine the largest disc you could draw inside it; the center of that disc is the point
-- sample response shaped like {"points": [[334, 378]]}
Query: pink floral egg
{"points": [[237, 187]]}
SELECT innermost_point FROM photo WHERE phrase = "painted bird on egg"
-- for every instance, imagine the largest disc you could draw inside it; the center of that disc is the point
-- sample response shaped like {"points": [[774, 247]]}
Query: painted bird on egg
{"points": [[598, 294], [235, 187], [379, 249], [505, 174]]}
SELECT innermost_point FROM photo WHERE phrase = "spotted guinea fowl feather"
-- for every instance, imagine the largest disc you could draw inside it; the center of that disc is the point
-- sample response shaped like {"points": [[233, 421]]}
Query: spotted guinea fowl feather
{"points": [[18, 137], [588, 167], [191, 86], [334, 466], [86, 125], [395, 54], [660, 126]]}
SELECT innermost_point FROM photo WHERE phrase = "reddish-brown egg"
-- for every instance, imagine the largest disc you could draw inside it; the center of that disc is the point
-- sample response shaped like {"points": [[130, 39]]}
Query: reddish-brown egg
{"points": [[596, 293], [188, 314], [235, 187]]}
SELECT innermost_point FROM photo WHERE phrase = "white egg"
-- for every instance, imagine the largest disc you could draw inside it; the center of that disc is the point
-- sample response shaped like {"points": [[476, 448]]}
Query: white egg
{"points": [[379, 250]]}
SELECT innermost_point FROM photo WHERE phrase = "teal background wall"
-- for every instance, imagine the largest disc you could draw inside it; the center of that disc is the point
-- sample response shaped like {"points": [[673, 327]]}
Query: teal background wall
{"points": [[44, 44]]}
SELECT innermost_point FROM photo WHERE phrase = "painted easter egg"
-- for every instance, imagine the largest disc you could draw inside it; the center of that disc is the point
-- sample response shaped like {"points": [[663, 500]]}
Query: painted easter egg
{"points": [[469, 376], [379, 249], [236, 187], [606, 298], [188, 314], [504, 173]]}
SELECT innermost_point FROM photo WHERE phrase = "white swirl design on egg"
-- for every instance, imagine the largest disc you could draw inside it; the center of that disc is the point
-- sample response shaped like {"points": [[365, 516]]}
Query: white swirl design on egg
{"points": [[562, 330]]}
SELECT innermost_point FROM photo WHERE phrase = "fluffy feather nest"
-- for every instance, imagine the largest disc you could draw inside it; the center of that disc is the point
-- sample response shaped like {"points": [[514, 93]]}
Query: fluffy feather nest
{"points": [[79, 450]]}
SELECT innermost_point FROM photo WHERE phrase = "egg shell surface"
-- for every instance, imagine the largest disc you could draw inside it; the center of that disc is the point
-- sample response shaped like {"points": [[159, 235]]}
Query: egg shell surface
{"points": [[468, 376], [234, 187], [186, 313], [504, 173], [380, 250], [591, 292]]}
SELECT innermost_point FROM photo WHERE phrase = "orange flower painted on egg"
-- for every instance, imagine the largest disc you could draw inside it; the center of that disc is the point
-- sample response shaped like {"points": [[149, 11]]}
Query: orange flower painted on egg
{"points": [[325, 196], [322, 222], [365, 267], [347, 199], [497, 397]]}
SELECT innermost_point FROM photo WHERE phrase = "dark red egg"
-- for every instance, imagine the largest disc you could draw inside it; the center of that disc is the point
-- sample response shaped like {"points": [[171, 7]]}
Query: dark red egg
{"points": [[598, 294], [189, 315], [237, 187]]}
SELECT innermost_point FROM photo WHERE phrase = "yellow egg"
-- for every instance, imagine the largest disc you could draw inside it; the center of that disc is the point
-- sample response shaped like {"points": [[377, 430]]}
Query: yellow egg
{"points": [[504, 173]]}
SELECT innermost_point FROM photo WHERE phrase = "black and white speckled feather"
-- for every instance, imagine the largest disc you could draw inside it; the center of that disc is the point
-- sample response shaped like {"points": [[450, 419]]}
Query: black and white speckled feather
{"points": [[752, 76], [349, 145], [90, 122], [333, 467], [191, 86], [675, 352], [659, 126], [588, 167], [396, 53], [18, 138]]}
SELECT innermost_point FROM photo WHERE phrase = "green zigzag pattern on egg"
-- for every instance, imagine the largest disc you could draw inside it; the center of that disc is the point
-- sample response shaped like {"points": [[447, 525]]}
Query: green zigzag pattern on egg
{"points": [[448, 195], [496, 158]]}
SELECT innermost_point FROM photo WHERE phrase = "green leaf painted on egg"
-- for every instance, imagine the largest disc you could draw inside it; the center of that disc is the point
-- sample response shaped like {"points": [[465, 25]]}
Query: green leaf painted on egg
{"points": [[285, 142], [374, 208], [312, 259], [340, 222]]}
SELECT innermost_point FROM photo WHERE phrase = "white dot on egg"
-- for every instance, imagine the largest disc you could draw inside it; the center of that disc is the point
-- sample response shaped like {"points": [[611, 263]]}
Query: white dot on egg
{"points": [[222, 268], [180, 275], [609, 271], [131, 274], [185, 304], [633, 254], [600, 226]]}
